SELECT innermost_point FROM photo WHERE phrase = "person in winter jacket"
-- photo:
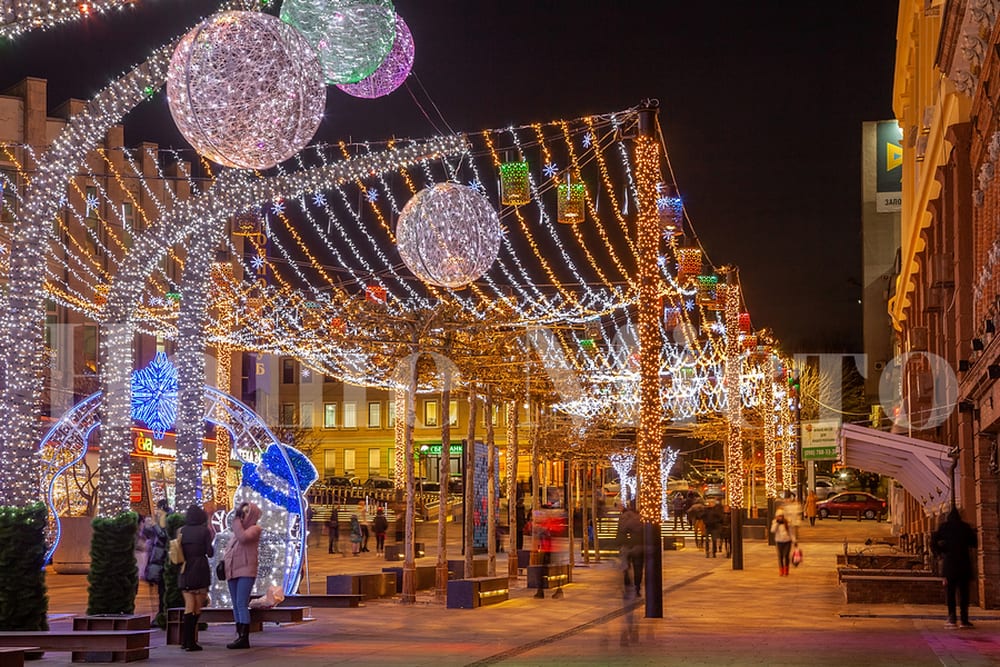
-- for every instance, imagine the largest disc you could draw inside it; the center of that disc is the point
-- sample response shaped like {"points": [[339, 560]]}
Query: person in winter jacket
{"points": [[241, 559], [195, 577], [954, 541], [784, 536], [631, 540], [157, 541], [380, 525], [355, 535]]}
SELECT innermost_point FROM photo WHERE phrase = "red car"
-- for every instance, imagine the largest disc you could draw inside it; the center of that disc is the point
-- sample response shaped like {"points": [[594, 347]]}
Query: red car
{"points": [[852, 504]]}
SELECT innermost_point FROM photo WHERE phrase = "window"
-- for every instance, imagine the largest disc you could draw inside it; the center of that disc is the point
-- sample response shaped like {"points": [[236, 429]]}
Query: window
{"points": [[350, 415], [374, 414], [453, 413], [329, 415], [430, 413], [348, 461], [496, 415], [374, 462], [306, 415], [288, 371], [287, 415], [329, 462], [391, 414]]}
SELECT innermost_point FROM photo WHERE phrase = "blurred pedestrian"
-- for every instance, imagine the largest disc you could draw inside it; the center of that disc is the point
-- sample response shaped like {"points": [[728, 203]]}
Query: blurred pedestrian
{"points": [[726, 530], [365, 533], [696, 508], [784, 537], [953, 542], [157, 540], [678, 506], [713, 525], [381, 526], [195, 576], [333, 532], [241, 559], [355, 535], [631, 543], [811, 511]]}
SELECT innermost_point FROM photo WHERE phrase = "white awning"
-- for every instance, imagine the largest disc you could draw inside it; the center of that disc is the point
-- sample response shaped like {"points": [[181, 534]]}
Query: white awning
{"points": [[921, 466]]}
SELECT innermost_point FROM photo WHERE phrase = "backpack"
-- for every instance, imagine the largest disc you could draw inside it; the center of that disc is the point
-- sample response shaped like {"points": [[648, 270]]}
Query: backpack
{"points": [[176, 550]]}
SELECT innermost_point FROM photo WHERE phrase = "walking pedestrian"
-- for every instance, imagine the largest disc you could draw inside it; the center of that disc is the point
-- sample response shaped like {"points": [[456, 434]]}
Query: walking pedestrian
{"points": [[632, 547], [195, 576], [811, 510], [679, 507], [953, 542], [355, 535], [365, 534], [333, 533], [157, 540], [380, 525], [784, 537], [712, 517], [241, 559], [726, 530]]}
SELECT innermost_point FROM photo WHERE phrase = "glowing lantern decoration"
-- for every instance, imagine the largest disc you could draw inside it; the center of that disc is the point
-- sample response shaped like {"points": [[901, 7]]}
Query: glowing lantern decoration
{"points": [[671, 317], [571, 202], [707, 286], [749, 342], [351, 37], [337, 325], [245, 90], [448, 235], [376, 293], [745, 322], [393, 71], [688, 263], [515, 186], [669, 208]]}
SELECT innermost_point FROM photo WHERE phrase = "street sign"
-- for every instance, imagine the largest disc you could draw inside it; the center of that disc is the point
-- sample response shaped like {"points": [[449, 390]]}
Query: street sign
{"points": [[819, 440]]}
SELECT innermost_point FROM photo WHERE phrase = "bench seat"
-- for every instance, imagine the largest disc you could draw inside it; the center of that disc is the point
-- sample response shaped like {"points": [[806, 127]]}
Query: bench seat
{"points": [[477, 592], [327, 601], [258, 617], [117, 645]]}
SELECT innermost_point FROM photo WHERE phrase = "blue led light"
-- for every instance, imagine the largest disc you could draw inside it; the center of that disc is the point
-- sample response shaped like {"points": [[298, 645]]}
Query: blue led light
{"points": [[154, 395]]}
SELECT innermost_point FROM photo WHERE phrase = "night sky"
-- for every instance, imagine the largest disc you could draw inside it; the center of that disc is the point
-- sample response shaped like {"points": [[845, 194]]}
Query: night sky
{"points": [[761, 104]]}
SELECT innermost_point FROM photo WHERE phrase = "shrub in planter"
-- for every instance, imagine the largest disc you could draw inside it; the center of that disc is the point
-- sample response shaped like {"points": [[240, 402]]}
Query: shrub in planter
{"points": [[113, 578], [24, 602]]}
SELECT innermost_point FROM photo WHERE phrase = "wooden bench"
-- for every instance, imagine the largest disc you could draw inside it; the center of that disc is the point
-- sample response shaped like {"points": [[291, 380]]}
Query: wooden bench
{"points": [[425, 577], [258, 617], [109, 622], [891, 586], [370, 585], [477, 592], [13, 656], [479, 567], [324, 601], [118, 645], [552, 575]]}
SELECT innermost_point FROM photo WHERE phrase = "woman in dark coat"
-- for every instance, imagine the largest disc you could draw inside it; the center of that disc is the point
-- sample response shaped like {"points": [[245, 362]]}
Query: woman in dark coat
{"points": [[195, 576]]}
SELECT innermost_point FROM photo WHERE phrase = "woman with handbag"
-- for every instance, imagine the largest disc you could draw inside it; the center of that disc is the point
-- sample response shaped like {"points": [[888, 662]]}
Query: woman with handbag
{"points": [[195, 577], [240, 563]]}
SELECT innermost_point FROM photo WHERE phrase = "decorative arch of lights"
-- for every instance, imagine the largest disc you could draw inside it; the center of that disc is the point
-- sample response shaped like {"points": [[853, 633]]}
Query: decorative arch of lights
{"points": [[282, 551]]}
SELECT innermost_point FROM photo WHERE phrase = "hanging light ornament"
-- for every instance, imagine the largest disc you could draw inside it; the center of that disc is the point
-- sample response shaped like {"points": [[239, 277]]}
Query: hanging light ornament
{"points": [[688, 263], [448, 235], [707, 286], [745, 322], [245, 90], [393, 71], [351, 37], [515, 186], [571, 202]]}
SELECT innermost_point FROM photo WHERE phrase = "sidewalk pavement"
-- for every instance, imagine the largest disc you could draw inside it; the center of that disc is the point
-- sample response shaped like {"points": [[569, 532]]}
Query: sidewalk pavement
{"points": [[712, 615]]}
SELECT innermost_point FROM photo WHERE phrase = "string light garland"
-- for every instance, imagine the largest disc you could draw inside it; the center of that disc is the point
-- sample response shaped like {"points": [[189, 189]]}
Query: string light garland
{"points": [[246, 90]]}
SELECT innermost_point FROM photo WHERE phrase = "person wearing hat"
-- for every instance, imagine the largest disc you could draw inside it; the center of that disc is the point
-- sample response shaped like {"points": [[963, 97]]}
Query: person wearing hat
{"points": [[380, 525], [784, 537]]}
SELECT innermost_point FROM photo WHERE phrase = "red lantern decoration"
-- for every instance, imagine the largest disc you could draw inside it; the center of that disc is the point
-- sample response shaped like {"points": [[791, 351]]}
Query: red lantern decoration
{"points": [[688, 263], [745, 322], [375, 293]]}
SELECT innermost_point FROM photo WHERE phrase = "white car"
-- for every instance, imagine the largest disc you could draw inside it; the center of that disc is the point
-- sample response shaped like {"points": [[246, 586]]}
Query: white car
{"points": [[826, 488]]}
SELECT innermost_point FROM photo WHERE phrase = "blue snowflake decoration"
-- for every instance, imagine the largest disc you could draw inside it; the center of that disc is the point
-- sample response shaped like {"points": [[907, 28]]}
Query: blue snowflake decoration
{"points": [[588, 139], [550, 170], [689, 305], [371, 194], [319, 199], [154, 395], [92, 203], [278, 207], [257, 262], [475, 184]]}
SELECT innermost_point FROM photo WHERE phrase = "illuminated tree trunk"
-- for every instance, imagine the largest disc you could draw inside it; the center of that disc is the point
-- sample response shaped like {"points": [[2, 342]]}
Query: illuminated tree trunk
{"points": [[468, 509], [223, 444], [512, 453], [409, 594], [491, 487], [444, 473]]}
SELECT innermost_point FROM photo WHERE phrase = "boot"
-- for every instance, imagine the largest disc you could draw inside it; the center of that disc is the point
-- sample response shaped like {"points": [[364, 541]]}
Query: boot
{"points": [[184, 632], [191, 629], [243, 641]]}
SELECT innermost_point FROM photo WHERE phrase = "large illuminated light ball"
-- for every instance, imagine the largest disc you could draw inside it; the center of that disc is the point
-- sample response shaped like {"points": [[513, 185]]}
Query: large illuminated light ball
{"points": [[393, 71], [448, 235], [351, 37], [246, 90]]}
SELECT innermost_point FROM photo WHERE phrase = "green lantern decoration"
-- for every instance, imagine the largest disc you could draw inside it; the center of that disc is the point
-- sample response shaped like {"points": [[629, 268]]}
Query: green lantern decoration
{"points": [[351, 37], [707, 291], [515, 186], [572, 196]]}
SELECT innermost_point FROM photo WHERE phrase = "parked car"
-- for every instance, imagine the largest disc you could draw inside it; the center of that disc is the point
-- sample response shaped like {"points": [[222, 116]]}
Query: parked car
{"points": [[826, 488], [341, 480], [714, 486], [379, 483], [852, 503]]}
